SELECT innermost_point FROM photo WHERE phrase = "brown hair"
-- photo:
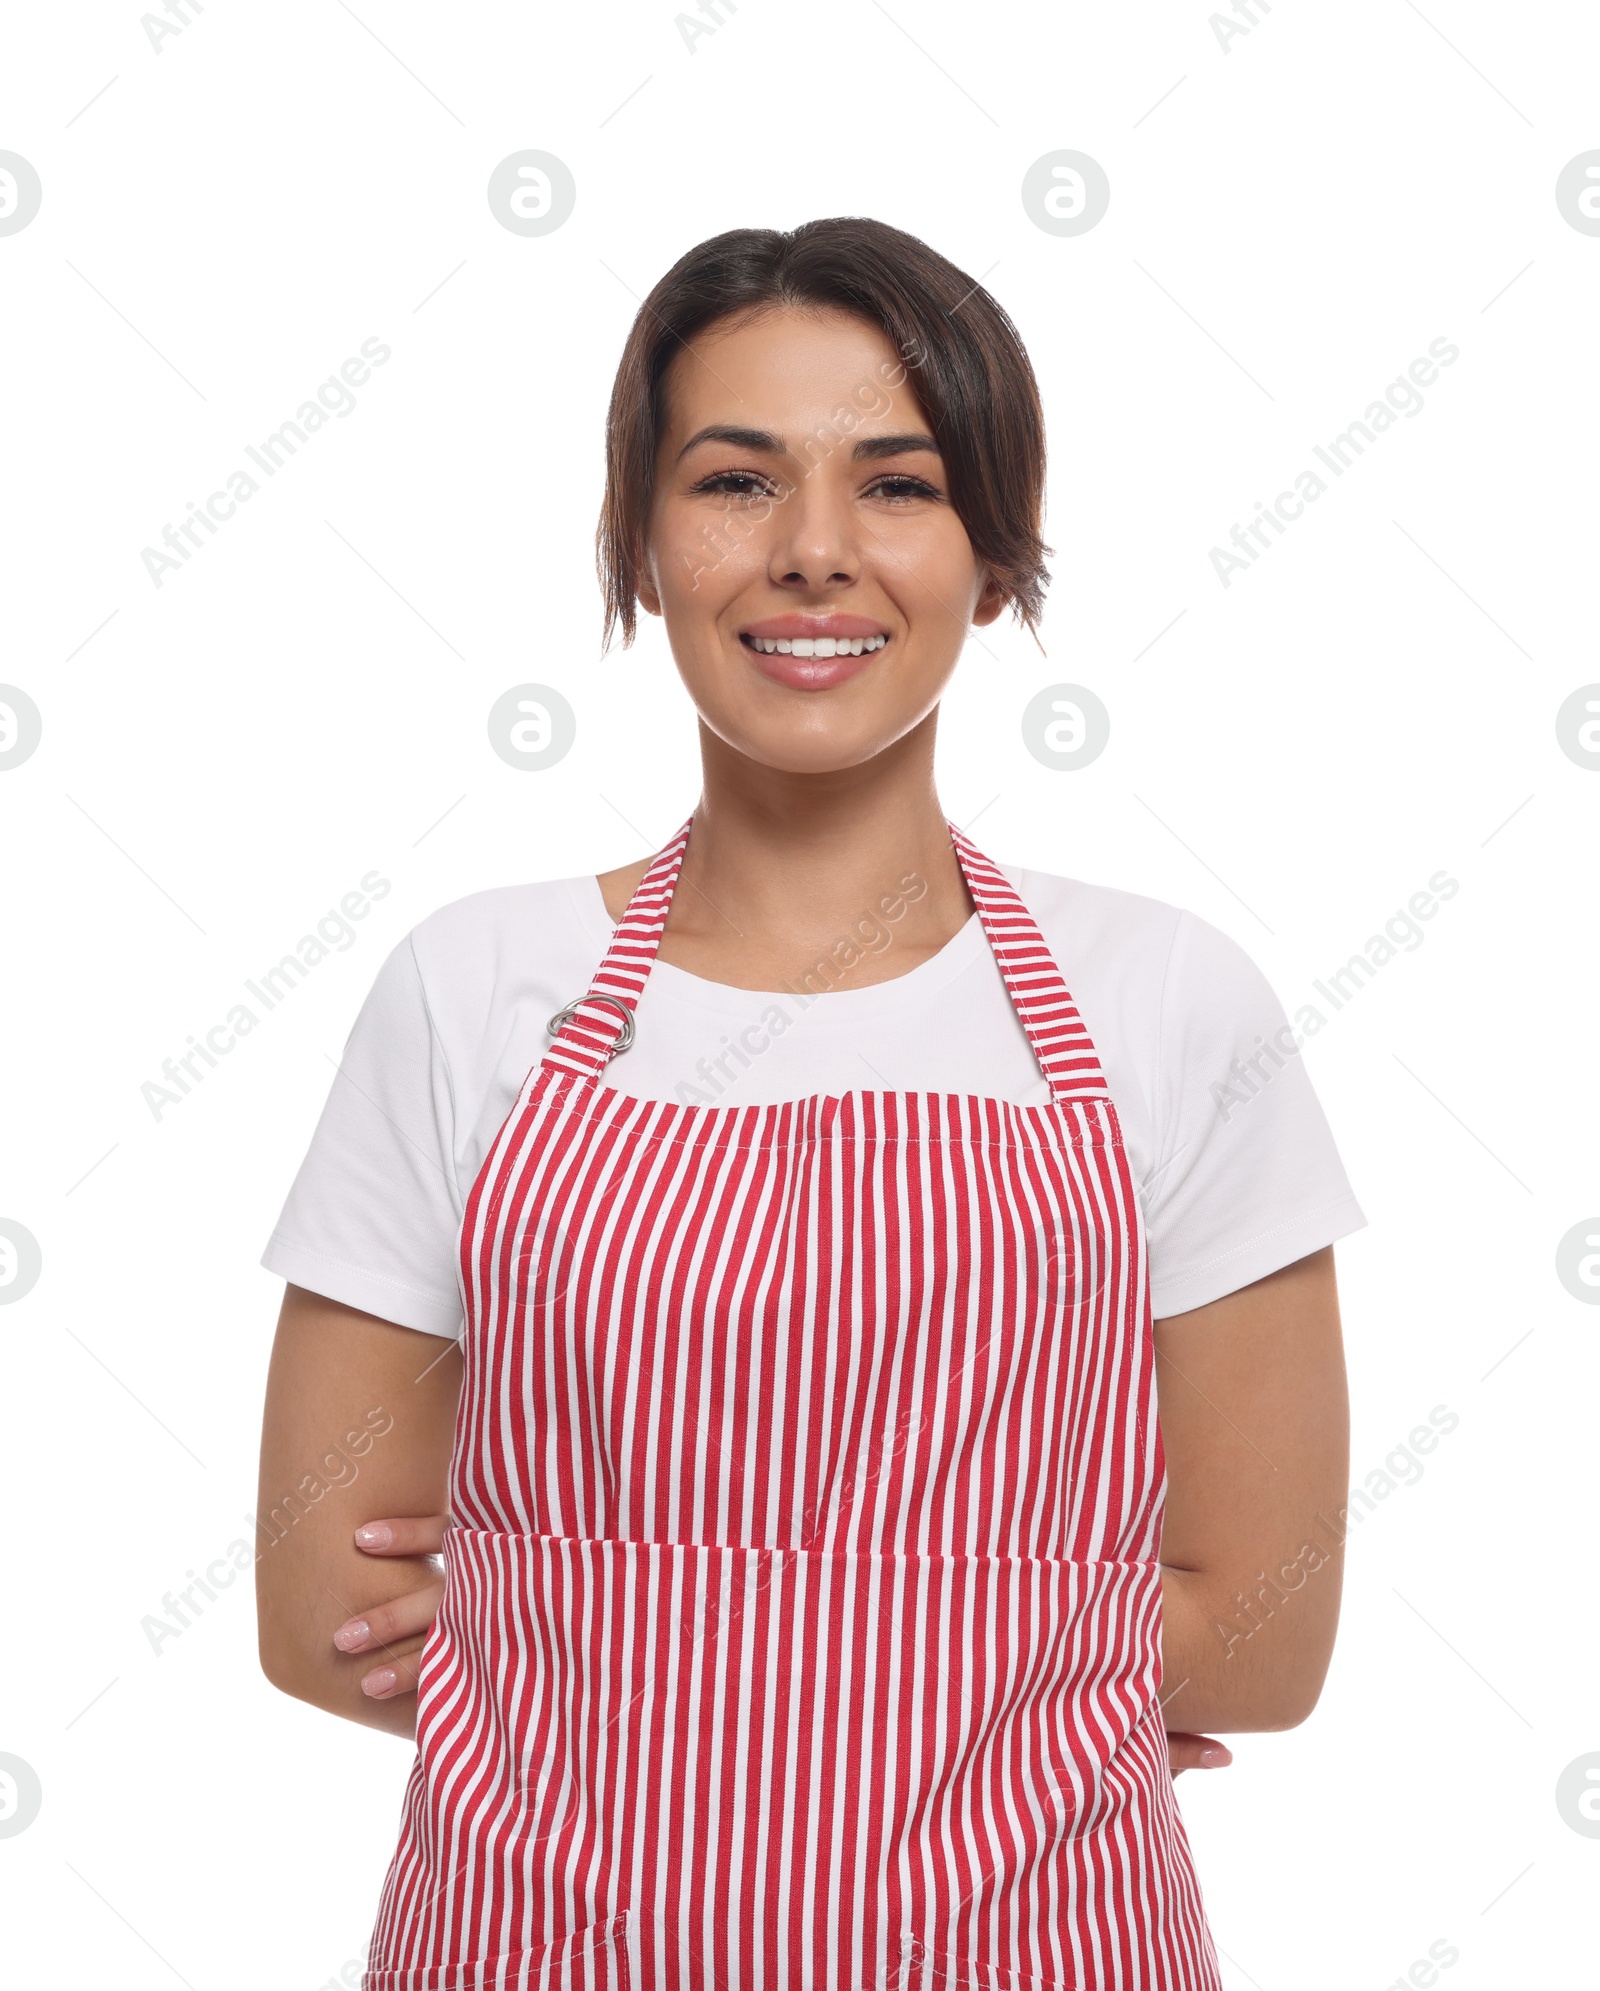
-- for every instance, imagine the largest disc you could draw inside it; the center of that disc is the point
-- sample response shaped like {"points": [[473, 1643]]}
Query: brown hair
{"points": [[973, 379]]}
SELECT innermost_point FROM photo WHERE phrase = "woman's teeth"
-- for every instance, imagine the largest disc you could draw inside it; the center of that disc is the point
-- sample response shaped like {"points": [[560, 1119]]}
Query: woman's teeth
{"points": [[816, 646]]}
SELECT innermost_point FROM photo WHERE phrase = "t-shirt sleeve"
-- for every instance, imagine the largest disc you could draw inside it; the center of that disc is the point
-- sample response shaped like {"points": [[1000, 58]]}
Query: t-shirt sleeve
{"points": [[1246, 1176], [374, 1214]]}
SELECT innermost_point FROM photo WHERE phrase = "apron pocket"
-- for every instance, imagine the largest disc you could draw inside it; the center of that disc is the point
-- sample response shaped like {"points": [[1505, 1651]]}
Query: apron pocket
{"points": [[925, 1969], [591, 1959]]}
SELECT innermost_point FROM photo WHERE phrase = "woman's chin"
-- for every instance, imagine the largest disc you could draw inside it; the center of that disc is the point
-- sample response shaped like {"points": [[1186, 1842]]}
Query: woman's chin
{"points": [[815, 749]]}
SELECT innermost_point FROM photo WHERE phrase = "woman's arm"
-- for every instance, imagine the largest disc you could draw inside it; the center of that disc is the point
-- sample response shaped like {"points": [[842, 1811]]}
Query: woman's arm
{"points": [[352, 1402], [1255, 1422]]}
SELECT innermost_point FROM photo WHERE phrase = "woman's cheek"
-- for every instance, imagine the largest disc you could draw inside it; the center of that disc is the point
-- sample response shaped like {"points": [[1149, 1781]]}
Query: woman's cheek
{"points": [[714, 561]]}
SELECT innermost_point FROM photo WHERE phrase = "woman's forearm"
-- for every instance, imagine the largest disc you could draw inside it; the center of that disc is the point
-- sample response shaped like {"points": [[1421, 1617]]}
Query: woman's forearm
{"points": [[1255, 1425], [338, 1378], [299, 1657], [1251, 1653]]}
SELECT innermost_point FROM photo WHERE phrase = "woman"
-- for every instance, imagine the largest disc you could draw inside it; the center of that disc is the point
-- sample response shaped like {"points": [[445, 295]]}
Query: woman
{"points": [[813, 1256]]}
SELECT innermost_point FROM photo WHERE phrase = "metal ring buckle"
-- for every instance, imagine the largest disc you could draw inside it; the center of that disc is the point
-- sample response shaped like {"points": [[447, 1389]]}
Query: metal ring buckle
{"points": [[614, 1002]]}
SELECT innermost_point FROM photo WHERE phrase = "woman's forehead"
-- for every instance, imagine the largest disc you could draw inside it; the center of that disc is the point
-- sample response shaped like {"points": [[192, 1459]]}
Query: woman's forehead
{"points": [[785, 372]]}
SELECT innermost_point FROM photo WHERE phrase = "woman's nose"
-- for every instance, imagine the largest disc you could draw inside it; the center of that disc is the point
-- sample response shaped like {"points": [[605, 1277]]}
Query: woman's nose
{"points": [[815, 541]]}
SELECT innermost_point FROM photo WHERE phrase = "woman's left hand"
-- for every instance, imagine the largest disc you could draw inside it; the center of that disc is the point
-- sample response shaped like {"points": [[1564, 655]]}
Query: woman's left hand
{"points": [[397, 1630], [1196, 1752]]}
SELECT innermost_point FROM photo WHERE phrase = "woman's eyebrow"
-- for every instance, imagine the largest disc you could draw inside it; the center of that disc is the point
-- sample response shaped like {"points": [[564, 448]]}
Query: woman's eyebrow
{"points": [[752, 439], [871, 447]]}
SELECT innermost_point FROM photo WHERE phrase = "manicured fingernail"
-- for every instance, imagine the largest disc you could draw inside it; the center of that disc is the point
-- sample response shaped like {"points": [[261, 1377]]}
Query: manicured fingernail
{"points": [[1215, 1756], [351, 1637], [375, 1535], [379, 1682]]}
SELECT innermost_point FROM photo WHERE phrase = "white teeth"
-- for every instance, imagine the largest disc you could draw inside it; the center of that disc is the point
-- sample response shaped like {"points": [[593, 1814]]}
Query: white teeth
{"points": [[818, 646]]}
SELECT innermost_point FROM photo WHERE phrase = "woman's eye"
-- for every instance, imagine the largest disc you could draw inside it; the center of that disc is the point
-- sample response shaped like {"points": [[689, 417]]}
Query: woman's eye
{"points": [[735, 484], [900, 489]]}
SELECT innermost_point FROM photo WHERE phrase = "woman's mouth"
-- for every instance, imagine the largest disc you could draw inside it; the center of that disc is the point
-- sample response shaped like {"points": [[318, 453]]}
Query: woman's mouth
{"points": [[813, 652]]}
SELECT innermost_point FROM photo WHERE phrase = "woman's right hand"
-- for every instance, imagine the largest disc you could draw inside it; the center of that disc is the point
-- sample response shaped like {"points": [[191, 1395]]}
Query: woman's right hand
{"points": [[1196, 1752], [395, 1632]]}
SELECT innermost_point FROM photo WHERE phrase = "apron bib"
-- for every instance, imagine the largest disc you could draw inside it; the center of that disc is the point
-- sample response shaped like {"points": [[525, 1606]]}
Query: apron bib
{"points": [[800, 1628]]}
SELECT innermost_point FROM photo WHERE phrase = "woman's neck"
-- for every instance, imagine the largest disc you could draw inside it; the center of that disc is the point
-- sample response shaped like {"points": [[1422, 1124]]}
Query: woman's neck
{"points": [[785, 869]]}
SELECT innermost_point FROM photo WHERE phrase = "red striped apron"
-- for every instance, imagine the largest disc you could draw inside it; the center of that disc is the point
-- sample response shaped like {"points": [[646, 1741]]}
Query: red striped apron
{"points": [[802, 1602]]}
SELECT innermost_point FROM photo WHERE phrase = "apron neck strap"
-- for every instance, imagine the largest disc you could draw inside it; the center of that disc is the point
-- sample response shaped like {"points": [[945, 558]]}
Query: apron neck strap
{"points": [[588, 1030], [1045, 1009]]}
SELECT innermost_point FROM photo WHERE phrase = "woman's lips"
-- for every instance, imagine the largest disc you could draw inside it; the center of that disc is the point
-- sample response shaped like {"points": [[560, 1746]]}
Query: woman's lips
{"points": [[852, 641], [809, 673]]}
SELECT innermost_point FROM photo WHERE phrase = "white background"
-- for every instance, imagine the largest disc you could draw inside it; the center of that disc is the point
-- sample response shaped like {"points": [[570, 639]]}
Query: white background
{"points": [[1291, 756]]}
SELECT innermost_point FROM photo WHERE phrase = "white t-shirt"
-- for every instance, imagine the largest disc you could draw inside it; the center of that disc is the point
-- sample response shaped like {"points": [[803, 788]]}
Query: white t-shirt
{"points": [[1235, 1165]]}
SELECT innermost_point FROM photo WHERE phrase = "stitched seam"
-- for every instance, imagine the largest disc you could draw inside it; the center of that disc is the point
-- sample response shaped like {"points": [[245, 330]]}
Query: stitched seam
{"points": [[362, 1271], [444, 1059], [1082, 1137], [1135, 1564], [1162, 1085], [1294, 1223]]}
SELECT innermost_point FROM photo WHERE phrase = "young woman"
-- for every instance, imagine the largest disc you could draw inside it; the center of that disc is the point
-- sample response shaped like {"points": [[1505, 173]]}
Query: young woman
{"points": [[767, 1254]]}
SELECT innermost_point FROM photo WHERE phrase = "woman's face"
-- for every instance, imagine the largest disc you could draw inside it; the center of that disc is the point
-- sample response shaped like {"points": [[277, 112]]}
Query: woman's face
{"points": [[801, 502]]}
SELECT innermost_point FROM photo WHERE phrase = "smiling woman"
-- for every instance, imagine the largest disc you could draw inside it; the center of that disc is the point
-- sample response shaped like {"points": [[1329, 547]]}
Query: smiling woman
{"points": [[899, 309], [819, 1577]]}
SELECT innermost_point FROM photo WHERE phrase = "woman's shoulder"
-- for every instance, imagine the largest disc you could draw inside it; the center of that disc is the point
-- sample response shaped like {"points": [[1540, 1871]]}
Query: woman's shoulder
{"points": [[1052, 896], [506, 938], [497, 908], [1107, 918], [1139, 946]]}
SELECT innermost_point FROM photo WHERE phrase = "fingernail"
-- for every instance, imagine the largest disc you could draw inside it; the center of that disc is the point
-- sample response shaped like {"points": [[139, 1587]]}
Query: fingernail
{"points": [[1215, 1756], [379, 1682], [350, 1637], [375, 1535]]}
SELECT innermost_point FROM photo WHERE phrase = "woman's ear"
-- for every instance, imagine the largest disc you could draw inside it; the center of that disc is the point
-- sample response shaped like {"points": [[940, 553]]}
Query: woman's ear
{"points": [[644, 585], [990, 602]]}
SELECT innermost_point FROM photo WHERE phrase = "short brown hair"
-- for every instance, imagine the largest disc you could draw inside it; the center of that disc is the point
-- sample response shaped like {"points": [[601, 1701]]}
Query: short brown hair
{"points": [[973, 378]]}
